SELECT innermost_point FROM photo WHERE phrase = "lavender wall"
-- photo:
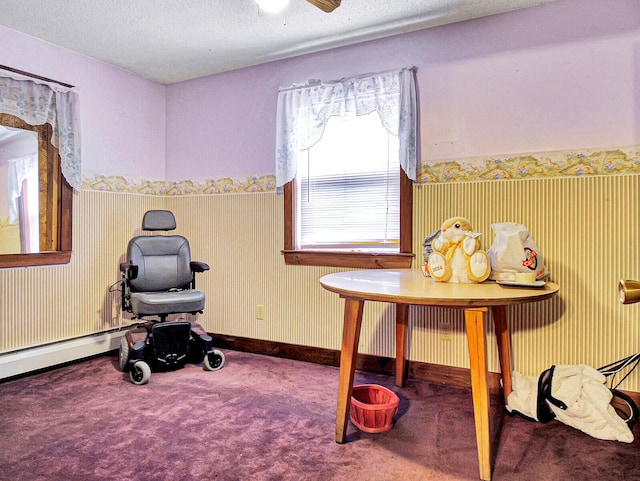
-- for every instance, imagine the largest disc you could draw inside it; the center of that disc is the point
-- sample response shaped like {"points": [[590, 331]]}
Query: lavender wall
{"points": [[122, 115], [559, 76]]}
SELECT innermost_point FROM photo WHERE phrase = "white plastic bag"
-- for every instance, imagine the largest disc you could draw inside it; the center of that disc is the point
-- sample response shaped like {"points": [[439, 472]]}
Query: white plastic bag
{"points": [[514, 251]]}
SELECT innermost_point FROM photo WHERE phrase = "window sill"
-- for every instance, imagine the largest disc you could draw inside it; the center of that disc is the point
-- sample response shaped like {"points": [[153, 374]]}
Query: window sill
{"points": [[361, 260]]}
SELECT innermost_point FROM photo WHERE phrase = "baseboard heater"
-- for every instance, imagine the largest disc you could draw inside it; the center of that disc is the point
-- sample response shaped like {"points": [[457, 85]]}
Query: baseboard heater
{"points": [[46, 356]]}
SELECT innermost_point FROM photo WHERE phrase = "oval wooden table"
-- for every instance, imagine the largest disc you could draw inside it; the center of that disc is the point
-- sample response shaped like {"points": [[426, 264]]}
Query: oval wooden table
{"points": [[405, 287]]}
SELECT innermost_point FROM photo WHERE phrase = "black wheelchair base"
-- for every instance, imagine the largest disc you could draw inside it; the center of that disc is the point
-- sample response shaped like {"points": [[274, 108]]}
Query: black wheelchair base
{"points": [[166, 346]]}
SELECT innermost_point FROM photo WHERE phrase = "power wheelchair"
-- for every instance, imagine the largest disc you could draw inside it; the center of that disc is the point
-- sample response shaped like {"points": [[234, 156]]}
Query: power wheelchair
{"points": [[159, 279]]}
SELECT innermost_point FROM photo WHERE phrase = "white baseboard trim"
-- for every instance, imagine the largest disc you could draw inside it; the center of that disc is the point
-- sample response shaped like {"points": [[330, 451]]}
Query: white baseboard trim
{"points": [[49, 355]]}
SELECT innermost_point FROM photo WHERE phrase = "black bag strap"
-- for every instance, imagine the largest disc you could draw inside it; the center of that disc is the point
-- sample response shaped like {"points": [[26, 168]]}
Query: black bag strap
{"points": [[544, 412], [547, 389], [625, 407]]}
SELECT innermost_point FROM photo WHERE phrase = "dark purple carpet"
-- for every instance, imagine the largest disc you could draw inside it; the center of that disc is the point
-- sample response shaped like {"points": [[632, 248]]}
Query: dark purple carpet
{"points": [[264, 418]]}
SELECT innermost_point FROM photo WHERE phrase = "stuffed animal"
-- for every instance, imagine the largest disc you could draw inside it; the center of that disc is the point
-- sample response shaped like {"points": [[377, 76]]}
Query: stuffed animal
{"points": [[457, 255]]}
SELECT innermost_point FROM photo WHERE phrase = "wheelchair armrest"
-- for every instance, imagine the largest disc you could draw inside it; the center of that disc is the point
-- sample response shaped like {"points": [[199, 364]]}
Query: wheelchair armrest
{"points": [[130, 271], [199, 266]]}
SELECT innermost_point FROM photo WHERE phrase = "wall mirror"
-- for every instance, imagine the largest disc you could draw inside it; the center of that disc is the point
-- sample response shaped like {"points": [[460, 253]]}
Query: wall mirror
{"points": [[35, 199]]}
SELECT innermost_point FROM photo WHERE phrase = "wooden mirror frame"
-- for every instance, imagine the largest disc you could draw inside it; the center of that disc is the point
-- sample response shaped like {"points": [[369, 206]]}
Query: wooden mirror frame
{"points": [[56, 203]]}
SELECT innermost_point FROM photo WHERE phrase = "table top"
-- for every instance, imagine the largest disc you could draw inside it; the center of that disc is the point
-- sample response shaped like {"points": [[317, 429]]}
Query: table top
{"points": [[410, 286]]}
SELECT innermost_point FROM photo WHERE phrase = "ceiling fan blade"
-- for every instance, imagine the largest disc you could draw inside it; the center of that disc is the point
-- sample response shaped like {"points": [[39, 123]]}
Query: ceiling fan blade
{"points": [[326, 5]]}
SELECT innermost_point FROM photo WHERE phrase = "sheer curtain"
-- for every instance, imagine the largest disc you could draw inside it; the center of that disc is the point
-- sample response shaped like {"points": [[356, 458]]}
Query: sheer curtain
{"points": [[303, 111], [38, 103]]}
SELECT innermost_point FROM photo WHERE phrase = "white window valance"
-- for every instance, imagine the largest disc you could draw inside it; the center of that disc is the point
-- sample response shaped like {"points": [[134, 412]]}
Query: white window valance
{"points": [[303, 111], [37, 103]]}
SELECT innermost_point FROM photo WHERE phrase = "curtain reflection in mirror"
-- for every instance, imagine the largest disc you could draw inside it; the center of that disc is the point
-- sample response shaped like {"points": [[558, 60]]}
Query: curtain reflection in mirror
{"points": [[19, 206]]}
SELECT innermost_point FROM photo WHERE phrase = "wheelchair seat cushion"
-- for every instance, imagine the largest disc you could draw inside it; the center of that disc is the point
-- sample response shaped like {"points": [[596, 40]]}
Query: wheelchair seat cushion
{"points": [[172, 302]]}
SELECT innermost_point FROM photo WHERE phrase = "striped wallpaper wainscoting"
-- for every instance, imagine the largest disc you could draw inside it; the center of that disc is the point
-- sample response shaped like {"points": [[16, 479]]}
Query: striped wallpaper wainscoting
{"points": [[47, 304], [586, 228]]}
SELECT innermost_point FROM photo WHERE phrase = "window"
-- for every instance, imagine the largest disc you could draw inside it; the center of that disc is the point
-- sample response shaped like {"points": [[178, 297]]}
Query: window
{"points": [[349, 188], [39, 168], [348, 145], [357, 258]]}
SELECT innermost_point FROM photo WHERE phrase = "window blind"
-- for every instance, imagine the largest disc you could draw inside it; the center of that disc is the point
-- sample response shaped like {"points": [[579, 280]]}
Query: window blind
{"points": [[349, 188]]}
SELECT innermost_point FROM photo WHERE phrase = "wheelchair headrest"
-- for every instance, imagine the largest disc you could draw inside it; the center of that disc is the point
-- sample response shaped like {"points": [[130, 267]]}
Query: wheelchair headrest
{"points": [[158, 220]]}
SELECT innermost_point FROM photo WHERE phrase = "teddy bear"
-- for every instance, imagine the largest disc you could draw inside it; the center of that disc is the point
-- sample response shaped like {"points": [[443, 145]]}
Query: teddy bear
{"points": [[457, 254]]}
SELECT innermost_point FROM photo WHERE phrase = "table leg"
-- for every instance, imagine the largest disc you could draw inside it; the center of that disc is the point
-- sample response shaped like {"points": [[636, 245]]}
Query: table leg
{"points": [[477, 340], [402, 318], [349, 352], [504, 347]]}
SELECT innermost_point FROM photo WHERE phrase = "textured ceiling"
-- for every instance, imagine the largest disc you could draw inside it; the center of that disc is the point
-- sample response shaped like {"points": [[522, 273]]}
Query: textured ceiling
{"points": [[169, 41]]}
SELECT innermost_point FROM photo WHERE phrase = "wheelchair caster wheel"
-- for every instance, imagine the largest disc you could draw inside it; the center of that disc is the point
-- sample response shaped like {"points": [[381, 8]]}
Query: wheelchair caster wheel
{"points": [[140, 373], [123, 353], [214, 360]]}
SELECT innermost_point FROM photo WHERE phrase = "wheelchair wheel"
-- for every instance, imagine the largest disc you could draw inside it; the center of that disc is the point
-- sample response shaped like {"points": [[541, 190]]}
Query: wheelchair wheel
{"points": [[123, 353], [140, 373], [214, 360]]}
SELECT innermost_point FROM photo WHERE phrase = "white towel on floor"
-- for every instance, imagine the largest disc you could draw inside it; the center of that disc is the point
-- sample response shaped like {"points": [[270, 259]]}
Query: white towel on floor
{"points": [[588, 401], [582, 388]]}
